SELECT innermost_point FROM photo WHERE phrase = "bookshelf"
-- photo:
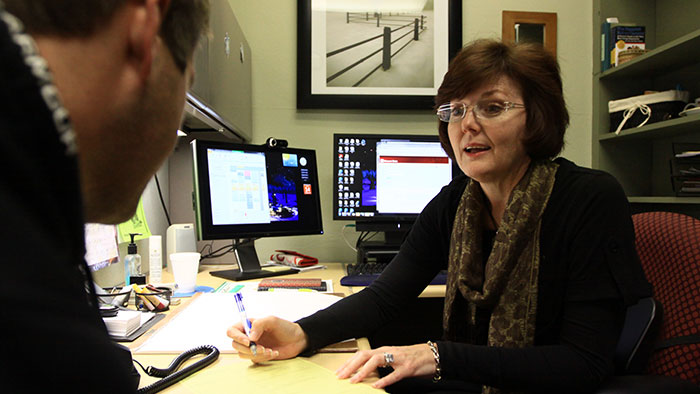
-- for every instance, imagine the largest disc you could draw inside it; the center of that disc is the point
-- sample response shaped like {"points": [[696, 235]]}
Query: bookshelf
{"points": [[640, 158]]}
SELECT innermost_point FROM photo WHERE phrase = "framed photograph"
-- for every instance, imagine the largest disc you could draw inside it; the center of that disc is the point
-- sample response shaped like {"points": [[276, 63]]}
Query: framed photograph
{"points": [[378, 54], [538, 27]]}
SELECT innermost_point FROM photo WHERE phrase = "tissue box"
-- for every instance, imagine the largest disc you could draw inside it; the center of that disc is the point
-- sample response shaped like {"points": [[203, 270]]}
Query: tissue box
{"points": [[653, 107]]}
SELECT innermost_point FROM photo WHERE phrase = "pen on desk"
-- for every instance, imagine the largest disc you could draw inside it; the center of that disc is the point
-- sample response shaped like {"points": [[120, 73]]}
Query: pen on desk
{"points": [[244, 319]]}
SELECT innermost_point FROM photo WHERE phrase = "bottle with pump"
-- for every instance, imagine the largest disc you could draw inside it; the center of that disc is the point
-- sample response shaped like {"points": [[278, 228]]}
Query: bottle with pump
{"points": [[132, 262]]}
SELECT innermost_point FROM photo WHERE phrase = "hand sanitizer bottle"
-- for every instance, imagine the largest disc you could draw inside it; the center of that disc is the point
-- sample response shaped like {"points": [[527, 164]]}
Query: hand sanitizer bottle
{"points": [[133, 264]]}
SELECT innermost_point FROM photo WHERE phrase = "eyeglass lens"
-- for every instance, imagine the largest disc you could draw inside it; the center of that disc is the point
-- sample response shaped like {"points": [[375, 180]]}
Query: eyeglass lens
{"points": [[482, 110]]}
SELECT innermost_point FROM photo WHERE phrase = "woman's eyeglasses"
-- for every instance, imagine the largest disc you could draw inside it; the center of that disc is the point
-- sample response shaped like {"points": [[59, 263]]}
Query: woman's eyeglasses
{"points": [[483, 110]]}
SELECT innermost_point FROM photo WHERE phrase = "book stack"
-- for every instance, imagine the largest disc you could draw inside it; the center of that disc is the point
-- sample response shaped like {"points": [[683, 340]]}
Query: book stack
{"points": [[618, 38], [123, 324]]}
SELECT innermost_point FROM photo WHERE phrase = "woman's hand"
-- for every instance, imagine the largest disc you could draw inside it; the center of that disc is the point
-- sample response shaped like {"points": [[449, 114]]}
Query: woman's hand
{"points": [[274, 338], [415, 360]]}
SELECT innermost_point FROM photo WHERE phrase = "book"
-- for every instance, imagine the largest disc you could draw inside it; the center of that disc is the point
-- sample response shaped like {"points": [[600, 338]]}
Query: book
{"points": [[625, 37], [292, 284], [123, 324], [605, 46]]}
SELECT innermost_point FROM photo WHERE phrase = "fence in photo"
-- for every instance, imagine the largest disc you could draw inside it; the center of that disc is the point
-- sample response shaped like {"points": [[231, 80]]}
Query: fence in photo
{"points": [[417, 22]]}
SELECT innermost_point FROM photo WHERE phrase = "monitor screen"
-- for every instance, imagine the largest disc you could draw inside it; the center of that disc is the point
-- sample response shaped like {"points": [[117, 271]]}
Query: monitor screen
{"points": [[386, 177], [251, 191]]}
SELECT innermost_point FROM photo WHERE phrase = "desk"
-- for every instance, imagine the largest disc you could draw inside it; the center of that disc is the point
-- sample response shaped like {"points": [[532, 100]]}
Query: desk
{"points": [[331, 361]]}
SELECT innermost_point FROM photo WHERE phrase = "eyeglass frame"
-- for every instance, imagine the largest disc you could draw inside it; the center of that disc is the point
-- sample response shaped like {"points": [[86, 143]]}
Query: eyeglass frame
{"points": [[507, 105]]}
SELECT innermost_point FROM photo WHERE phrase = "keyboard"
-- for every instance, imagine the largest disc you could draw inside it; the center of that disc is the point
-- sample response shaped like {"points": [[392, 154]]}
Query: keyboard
{"points": [[366, 268], [365, 273]]}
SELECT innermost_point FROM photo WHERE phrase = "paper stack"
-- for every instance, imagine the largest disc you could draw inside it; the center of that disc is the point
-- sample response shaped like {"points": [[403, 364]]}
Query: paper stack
{"points": [[123, 324]]}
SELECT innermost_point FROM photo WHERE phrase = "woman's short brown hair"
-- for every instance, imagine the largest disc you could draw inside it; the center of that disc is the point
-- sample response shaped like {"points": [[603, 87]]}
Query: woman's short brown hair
{"points": [[530, 66]]}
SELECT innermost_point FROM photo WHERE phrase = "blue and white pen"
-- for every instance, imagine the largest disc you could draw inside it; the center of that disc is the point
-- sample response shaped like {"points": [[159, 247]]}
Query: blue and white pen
{"points": [[244, 319]]}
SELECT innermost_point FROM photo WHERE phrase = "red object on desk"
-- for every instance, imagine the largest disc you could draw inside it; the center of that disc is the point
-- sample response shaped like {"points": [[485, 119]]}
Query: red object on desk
{"points": [[292, 258]]}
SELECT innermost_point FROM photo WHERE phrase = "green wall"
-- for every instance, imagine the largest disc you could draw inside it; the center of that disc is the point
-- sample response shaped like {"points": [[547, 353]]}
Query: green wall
{"points": [[270, 28]]}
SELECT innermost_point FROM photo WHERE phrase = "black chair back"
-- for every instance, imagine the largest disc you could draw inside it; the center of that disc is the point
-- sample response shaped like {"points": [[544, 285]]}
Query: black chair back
{"points": [[639, 333]]}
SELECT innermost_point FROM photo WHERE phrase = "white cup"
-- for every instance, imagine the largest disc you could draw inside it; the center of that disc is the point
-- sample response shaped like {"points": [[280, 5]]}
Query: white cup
{"points": [[185, 267]]}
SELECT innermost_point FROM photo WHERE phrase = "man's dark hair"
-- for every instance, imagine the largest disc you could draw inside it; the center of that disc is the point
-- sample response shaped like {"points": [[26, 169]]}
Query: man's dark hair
{"points": [[182, 25]]}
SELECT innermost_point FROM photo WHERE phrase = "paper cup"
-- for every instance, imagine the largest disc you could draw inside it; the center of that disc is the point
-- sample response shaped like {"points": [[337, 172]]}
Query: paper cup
{"points": [[185, 267]]}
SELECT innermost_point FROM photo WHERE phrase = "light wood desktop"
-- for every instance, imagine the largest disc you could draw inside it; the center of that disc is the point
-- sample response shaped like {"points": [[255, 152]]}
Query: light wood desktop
{"points": [[330, 361]]}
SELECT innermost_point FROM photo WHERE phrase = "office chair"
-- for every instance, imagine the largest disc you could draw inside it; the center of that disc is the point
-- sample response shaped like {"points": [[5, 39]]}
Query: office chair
{"points": [[668, 245]]}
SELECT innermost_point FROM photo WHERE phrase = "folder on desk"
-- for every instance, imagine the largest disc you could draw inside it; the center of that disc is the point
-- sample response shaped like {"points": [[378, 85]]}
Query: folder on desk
{"points": [[296, 375]]}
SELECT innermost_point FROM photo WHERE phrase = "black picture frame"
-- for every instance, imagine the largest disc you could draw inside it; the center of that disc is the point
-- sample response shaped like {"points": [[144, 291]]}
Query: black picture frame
{"points": [[308, 100]]}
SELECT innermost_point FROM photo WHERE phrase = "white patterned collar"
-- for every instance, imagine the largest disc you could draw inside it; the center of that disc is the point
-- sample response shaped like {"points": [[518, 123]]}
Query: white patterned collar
{"points": [[41, 72]]}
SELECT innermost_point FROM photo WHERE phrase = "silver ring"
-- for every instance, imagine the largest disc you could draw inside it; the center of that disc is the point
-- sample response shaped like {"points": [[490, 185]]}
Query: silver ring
{"points": [[388, 359]]}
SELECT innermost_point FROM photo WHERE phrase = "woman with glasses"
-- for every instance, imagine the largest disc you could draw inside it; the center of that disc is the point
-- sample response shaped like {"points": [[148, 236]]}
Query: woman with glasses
{"points": [[540, 252]]}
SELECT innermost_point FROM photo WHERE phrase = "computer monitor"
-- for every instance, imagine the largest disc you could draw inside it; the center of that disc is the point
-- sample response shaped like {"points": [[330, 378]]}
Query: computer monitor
{"points": [[243, 192], [383, 181]]}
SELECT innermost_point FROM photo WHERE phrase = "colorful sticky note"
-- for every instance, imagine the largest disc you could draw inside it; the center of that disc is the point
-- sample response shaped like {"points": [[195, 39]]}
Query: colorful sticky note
{"points": [[137, 224]]}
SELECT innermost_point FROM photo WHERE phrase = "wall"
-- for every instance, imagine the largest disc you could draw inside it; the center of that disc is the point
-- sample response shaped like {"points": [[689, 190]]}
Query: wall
{"points": [[157, 224], [274, 96], [270, 28], [574, 48]]}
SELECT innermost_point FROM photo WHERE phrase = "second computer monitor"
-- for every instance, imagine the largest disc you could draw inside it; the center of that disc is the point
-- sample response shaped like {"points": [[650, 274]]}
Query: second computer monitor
{"points": [[385, 181]]}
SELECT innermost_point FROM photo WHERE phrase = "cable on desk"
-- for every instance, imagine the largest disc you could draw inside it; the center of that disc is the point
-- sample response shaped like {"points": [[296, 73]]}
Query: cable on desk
{"points": [[342, 234], [215, 253], [170, 377], [365, 236], [229, 248], [205, 247]]}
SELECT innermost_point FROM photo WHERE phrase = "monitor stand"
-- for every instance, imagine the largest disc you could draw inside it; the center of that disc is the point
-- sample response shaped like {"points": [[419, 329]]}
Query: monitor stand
{"points": [[249, 265]]}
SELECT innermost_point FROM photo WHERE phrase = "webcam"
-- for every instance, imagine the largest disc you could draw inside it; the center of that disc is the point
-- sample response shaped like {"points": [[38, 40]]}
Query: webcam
{"points": [[275, 143]]}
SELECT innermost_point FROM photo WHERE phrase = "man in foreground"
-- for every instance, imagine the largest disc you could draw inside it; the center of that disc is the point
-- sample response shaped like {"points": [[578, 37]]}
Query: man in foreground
{"points": [[93, 93]]}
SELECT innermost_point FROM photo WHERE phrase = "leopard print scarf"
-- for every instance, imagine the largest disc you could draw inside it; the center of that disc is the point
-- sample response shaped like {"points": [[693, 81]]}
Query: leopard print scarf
{"points": [[507, 285]]}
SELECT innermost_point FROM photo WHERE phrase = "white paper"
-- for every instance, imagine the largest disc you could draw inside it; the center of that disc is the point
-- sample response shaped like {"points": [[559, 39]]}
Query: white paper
{"points": [[688, 154], [205, 320], [100, 245]]}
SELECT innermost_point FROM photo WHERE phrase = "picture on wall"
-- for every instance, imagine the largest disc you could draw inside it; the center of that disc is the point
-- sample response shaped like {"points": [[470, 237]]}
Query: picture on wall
{"points": [[384, 54]]}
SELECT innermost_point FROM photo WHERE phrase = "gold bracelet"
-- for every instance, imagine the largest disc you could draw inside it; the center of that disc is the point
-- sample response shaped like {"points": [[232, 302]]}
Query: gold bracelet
{"points": [[436, 356]]}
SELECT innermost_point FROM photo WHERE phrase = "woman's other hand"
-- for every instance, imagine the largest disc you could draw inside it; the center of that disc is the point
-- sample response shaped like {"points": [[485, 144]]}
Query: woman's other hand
{"points": [[415, 360], [275, 339]]}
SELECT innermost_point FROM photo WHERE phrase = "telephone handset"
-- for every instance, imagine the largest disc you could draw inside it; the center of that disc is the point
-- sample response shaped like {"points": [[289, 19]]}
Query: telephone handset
{"points": [[171, 375]]}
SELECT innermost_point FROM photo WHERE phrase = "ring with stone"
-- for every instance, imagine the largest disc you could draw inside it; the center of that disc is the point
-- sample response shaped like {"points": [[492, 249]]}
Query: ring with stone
{"points": [[388, 359]]}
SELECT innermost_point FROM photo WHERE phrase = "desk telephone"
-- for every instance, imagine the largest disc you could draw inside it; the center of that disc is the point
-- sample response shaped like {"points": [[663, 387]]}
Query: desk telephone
{"points": [[171, 375]]}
